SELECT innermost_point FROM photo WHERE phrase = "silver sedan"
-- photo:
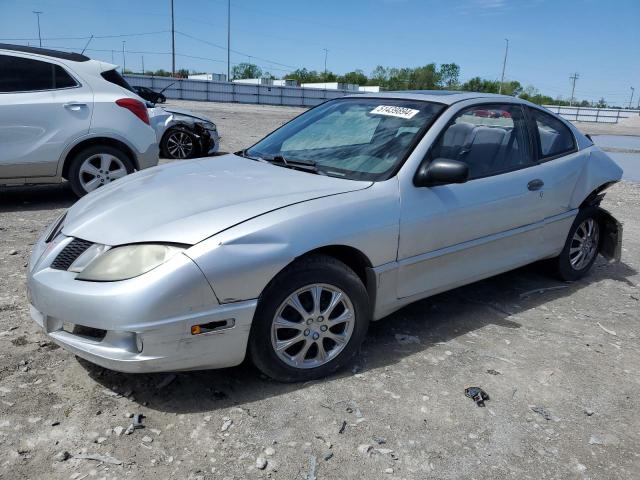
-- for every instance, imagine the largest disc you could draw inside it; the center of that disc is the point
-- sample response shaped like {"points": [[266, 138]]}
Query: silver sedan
{"points": [[287, 250]]}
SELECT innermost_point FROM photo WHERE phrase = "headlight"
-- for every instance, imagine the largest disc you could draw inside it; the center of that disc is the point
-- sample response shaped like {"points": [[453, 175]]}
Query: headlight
{"points": [[121, 263]]}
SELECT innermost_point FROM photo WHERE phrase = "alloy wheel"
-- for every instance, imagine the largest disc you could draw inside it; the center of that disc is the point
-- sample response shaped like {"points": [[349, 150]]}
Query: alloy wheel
{"points": [[312, 326], [100, 169], [180, 145], [584, 244]]}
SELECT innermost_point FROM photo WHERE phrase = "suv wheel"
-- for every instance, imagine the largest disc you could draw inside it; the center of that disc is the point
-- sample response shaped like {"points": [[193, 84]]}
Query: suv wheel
{"points": [[310, 320], [581, 247], [179, 144], [96, 166]]}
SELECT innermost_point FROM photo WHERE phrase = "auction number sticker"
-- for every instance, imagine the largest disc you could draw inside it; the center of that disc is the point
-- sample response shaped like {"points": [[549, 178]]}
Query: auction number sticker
{"points": [[391, 111]]}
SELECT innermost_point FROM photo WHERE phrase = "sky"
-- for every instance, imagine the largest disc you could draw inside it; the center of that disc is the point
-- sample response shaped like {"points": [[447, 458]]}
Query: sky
{"points": [[549, 40]]}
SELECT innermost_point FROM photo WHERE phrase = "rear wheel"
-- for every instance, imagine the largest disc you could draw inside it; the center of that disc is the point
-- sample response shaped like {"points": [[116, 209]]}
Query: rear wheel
{"points": [[97, 166], [310, 320], [581, 247]]}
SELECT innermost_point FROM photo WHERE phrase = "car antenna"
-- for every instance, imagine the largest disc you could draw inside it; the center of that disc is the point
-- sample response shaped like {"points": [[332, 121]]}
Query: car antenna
{"points": [[166, 87], [85, 47]]}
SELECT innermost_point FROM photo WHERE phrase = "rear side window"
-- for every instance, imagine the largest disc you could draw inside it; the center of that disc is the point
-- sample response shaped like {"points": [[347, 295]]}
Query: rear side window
{"points": [[554, 137], [27, 75], [490, 139], [114, 77]]}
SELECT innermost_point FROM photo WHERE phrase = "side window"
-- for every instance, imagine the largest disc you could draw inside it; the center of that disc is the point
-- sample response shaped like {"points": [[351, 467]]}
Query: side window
{"points": [[19, 74], [62, 79], [554, 136], [490, 139]]}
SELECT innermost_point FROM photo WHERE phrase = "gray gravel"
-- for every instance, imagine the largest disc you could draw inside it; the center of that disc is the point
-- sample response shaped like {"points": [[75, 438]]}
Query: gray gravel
{"points": [[560, 366]]}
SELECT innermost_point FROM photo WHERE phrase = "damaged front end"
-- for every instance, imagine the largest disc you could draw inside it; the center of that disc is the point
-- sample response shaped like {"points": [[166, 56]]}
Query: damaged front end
{"points": [[611, 240]]}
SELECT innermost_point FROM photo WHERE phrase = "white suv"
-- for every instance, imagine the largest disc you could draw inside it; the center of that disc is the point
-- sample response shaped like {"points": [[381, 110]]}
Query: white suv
{"points": [[63, 115]]}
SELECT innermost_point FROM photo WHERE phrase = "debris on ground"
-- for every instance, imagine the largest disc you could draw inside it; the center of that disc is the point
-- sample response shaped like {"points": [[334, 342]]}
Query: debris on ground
{"points": [[313, 464], [477, 395], [542, 290], [343, 426], [404, 339], [610, 332], [98, 458], [226, 425], [544, 413], [491, 371], [261, 463], [62, 456], [137, 420]]}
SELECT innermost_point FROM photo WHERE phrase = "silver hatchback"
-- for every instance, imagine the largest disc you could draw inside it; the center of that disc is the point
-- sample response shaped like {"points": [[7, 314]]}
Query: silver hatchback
{"points": [[285, 251]]}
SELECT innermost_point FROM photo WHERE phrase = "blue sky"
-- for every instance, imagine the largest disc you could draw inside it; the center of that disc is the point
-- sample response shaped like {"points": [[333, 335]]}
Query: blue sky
{"points": [[548, 39]]}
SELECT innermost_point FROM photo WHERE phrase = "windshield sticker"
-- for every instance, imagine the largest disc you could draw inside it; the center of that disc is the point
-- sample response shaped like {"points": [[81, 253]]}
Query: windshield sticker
{"points": [[391, 111]]}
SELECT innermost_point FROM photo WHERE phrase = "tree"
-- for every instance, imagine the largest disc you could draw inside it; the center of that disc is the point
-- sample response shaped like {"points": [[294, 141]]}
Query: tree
{"points": [[357, 77], [182, 73], [246, 70], [449, 75], [477, 84], [602, 103]]}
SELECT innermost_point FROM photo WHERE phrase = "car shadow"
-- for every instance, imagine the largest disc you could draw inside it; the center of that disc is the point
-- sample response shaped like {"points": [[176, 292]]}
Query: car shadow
{"points": [[416, 328], [36, 197]]}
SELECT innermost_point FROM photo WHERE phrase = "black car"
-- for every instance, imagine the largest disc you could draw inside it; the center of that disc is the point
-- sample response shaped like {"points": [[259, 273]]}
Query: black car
{"points": [[150, 95]]}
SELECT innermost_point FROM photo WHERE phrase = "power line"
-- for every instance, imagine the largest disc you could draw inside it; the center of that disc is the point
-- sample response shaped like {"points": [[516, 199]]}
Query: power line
{"points": [[87, 36]]}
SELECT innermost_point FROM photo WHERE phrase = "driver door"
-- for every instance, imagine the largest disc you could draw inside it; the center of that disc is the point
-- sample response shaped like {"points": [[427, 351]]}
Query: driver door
{"points": [[455, 234]]}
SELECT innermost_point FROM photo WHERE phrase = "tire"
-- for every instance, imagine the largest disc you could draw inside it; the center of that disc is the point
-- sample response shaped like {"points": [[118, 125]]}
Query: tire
{"points": [[569, 270], [332, 277], [179, 143], [109, 164]]}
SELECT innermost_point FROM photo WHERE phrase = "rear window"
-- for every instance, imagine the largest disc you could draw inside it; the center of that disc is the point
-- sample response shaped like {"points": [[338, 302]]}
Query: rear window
{"points": [[19, 74], [555, 138], [114, 77]]}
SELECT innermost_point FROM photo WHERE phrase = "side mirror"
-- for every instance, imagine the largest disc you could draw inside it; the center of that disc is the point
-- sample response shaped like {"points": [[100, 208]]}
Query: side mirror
{"points": [[441, 171]]}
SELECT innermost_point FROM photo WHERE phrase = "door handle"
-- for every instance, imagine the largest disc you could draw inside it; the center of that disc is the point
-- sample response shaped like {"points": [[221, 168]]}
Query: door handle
{"points": [[536, 184], [74, 105]]}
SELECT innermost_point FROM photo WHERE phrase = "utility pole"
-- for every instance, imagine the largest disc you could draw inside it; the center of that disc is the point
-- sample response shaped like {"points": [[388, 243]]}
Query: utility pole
{"points": [[37, 12], [228, 40], [142, 64], [112, 59], [325, 63], [573, 78], [173, 44], [124, 58], [504, 65], [631, 100]]}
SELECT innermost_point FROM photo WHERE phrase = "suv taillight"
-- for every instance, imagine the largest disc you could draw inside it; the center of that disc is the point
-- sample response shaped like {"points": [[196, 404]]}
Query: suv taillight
{"points": [[136, 107]]}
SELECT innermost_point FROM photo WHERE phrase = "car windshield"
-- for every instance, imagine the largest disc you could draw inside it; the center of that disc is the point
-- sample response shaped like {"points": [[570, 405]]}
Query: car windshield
{"points": [[359, 139]]}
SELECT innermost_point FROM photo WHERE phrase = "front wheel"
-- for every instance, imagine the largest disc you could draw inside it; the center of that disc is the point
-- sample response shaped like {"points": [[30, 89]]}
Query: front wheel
{"points": [[581, 247], [310, 320], [179, 144]]}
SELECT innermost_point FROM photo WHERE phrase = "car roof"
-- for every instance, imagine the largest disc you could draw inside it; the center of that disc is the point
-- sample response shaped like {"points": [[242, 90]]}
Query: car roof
{"points": [[447, 97], [73, 57]]}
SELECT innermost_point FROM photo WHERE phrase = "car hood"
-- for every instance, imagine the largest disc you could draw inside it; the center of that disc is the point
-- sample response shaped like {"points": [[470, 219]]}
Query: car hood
{"points": [[188, 201]]}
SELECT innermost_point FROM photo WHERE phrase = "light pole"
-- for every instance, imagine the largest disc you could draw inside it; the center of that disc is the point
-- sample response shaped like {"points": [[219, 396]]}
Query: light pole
{"points": [[173, 44], [124, 59], [229, 41], [631, 100], [38, 15], [504, 65], [325, 63]]}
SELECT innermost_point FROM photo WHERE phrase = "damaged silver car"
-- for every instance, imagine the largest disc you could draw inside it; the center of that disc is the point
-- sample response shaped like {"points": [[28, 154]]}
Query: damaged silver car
{"points": [[182, 134], [287, 250]]}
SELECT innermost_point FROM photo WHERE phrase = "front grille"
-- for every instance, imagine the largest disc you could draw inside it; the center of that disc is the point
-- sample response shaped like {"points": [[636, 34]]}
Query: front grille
{"points": [[69, 254]]}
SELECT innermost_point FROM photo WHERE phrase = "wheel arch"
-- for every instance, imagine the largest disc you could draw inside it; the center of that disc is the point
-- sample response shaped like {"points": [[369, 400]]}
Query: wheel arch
{"points": [[95, 141]]}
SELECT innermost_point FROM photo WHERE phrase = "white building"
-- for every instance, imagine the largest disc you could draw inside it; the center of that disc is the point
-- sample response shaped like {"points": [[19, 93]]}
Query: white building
{"points": [[285, 83], [215, 77], [331, 86], [254, 81], [369, 88]]}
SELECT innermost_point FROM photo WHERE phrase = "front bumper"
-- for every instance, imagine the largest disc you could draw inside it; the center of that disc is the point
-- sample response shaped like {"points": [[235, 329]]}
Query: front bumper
{"points": [[155, 310]]}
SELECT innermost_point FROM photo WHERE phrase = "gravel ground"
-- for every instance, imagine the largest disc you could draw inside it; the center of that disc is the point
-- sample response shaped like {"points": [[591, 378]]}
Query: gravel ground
{"points": [[559, 361]]}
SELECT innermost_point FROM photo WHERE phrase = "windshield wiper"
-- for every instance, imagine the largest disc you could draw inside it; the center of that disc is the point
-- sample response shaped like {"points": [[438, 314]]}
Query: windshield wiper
{"points": [[306, 165]]}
